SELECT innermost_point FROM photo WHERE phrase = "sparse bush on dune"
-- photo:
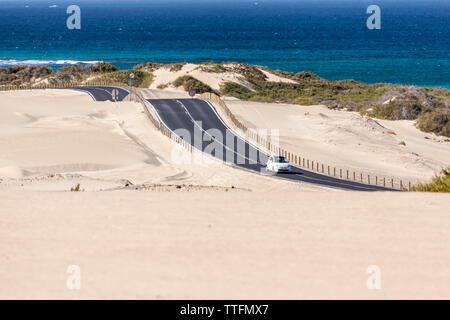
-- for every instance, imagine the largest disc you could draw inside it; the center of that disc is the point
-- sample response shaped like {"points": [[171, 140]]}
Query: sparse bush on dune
{"points": [[251, 73], [148, 66], [162, 86], [436, 121], [439, 183], [175, 67], [406, 103], [80, 72], [21, 75], [102, 67], [190, 83], [213, 67], [141, 79], [77, 188], [236, 90]]}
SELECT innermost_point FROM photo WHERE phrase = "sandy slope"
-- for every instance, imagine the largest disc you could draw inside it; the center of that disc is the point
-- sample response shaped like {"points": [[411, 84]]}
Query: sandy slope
{"points": [[214, 80], [348, 140], [222, 245]]}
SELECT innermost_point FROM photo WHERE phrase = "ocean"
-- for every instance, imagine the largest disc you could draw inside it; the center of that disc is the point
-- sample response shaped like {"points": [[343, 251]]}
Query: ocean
{"points": [[327, 37]]}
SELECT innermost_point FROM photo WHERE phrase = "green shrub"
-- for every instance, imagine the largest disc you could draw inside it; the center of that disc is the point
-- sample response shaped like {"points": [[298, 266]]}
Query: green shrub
{"points": [[190, 83], [439, 183], [237, 90], [77, 188], [304, 101], [251, 73], [102, 67], [175, 67], [19, 75], [148, 66], [162, 86], [213, 68], [436, 121], [141, 79]]}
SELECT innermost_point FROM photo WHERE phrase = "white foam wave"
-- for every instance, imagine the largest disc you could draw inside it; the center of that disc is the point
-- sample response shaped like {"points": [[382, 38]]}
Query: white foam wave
{"points": [[14, 62]]}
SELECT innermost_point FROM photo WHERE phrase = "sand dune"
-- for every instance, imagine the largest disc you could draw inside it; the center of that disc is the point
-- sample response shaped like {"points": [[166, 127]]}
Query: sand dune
{"points": [[349, 140], [149, 227], [103, 141], [224, 245]]}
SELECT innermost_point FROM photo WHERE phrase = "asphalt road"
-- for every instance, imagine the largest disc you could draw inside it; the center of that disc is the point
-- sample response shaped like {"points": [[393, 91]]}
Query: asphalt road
{"points": [[197, 122], [100, 93]]}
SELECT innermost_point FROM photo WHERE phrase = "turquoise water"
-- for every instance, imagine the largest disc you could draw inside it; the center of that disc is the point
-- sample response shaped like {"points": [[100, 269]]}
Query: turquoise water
{"points": [[329, 38]]}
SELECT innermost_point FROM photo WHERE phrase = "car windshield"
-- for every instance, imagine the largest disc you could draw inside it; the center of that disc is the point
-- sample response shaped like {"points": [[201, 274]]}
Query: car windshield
{"points": [[279, 159]]}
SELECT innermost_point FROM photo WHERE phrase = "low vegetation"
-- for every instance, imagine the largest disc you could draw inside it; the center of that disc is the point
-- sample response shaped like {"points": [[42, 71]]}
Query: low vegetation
{"points": [[190, 83], [212, 67], [439, 183], [175, 67], [23, 75], [77, 188], [31, 75], [429, 106], [148, 66], [142, 79], [437, 121]]}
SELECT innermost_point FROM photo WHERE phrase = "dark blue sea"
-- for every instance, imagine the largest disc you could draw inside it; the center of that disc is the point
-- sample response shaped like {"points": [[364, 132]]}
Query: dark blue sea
{"points": [[328, 37]]}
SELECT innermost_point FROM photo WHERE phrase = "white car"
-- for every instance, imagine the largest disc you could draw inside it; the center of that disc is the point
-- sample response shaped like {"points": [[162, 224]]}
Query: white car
{"points": [[278, 164]]}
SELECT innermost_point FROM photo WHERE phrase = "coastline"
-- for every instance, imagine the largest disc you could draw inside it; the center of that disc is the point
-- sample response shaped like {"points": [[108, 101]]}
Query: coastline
{"points": [[125, 64]]}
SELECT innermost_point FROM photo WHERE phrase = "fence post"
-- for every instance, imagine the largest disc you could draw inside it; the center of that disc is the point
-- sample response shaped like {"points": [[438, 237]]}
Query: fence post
{"points": [[328, 170], [340, 173], [384, 182], [361, 178], [354, 176], [334, 171], [322, 168], [376, 180], [392, 183], [312, 165], [409, 186], [368, 179], [347, 174], [401, 185]]}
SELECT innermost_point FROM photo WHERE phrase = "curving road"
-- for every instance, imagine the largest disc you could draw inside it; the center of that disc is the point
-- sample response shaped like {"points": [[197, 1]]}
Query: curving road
{"points": [[197, 122], [100, 93]]}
